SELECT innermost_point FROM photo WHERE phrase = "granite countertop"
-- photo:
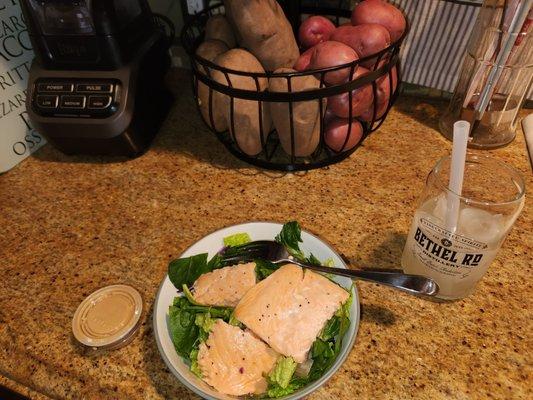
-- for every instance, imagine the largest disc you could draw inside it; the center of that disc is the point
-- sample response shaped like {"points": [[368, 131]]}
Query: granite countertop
{"points": [[71, 225]]}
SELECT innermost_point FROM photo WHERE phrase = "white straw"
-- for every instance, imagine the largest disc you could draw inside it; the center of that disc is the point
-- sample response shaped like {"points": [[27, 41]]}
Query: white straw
{"points": [[461, 130]]}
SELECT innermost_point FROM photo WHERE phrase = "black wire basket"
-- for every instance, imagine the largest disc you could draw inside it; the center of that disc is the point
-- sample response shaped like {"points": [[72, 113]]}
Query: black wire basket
{"points": [[273, 155]]}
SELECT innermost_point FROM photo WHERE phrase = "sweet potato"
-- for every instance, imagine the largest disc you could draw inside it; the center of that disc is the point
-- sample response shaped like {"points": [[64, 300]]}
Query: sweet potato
{"points": [[336, 131], [218, 27], [305, 114], [211, 49], [380, 12], [382, 96], [265, 31], [362, 98], [330, 54], [365, 39], [315, 29], [246, 127]]}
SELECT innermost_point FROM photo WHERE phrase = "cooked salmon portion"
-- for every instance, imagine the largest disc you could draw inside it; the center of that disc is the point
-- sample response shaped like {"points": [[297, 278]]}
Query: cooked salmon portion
{"points": [[289, 309], [224, 286], [234, 361]]}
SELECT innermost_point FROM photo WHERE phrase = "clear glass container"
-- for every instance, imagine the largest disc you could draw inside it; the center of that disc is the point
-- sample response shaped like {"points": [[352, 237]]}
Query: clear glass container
{"points": [[457, 257], [497, 126]]}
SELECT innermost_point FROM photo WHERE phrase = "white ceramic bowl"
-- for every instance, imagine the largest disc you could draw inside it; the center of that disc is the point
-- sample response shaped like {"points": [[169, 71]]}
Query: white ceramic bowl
{"points": [[211, 244]]}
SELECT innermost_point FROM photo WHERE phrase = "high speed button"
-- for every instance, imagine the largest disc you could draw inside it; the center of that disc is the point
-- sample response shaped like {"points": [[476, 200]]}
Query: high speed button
{"points": [[99, 102]]}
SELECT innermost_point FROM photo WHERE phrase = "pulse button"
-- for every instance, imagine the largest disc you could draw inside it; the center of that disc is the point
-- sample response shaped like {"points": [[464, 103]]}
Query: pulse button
{"points": [[94, 88]]}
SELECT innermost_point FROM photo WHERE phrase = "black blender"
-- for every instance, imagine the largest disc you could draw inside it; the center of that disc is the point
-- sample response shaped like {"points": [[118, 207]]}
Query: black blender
{"points": [[96, 85]]}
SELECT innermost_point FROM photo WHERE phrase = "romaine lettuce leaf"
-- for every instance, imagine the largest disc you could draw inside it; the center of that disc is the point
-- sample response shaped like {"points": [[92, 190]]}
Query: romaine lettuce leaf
{"points": [[195, 368], [275, 391], [237, 239], [282, 373]]}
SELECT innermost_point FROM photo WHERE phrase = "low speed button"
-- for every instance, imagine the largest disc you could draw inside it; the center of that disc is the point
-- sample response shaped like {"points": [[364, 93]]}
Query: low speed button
{"points": [[74, 102], [45, 101], [99, 102]]}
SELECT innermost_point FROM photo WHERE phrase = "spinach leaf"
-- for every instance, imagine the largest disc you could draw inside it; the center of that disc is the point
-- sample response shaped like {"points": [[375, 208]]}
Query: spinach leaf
{"points": [[314, 261], [184, 271], [215, 263], [343, 314], [183, 330], [264, 268], [290, 236], [190, 324], [327, 346]]}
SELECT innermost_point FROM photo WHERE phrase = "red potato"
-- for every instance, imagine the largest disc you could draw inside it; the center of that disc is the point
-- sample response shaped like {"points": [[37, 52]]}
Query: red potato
{"points": [[338, 129], [349, 23], [361, 98], [380, 12], [365, 39], [330, 54], [302, 63], [315, 29], [329, 116], [382, 96]]}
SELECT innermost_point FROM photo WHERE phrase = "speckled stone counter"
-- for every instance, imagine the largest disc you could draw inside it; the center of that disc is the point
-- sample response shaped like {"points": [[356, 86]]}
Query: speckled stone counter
{"points": [[70, 225]]}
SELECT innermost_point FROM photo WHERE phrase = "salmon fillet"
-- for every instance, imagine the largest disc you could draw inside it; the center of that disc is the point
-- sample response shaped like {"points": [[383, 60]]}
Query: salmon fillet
{"points": [[234, 361], [289, 308], [224, 286]]}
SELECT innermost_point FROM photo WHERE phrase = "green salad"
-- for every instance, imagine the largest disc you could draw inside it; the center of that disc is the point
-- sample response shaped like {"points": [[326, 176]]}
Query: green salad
{"points": [[191, 323]]}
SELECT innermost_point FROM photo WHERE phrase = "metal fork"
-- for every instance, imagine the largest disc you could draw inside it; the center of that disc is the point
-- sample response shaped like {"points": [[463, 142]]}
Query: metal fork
{"points": [[276, 253]]}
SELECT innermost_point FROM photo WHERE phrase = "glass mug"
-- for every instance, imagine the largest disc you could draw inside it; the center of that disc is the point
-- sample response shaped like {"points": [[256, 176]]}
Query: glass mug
{"points": [[498, 124], [458, 257]]}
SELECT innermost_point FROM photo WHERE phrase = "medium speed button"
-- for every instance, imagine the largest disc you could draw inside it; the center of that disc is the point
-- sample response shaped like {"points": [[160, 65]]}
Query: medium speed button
{"points": [[74, 102]]}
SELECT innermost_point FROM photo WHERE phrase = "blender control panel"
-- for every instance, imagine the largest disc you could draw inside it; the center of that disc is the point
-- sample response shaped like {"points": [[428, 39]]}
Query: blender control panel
{"points": [[76, 98]]}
